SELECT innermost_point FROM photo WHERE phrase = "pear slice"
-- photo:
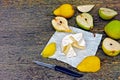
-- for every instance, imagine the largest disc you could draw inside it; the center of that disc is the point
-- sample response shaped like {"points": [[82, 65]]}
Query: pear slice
{"points": [[107, 14], [85, 8], [85, 21], [61, 24], [111, 47]]}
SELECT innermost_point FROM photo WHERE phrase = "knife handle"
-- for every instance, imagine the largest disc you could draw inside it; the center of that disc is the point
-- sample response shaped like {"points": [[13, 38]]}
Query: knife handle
{"points": [[67, 71]]}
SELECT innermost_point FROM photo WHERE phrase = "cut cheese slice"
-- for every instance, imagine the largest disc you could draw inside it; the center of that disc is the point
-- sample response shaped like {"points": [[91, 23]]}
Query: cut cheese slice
{"points": [[69, 51], [70, 41]]}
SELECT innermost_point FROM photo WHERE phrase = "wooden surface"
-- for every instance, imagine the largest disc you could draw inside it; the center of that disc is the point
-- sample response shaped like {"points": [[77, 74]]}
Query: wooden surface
{"points": [[25, 28]]}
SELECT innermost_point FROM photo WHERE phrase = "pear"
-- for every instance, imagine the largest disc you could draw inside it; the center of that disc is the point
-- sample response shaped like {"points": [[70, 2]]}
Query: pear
{"points": [[85, 21], [85, 8], [110, 47], [112, 29], [106, 13], [49, 50], [64, 10], [61, 24], [89, 64]]}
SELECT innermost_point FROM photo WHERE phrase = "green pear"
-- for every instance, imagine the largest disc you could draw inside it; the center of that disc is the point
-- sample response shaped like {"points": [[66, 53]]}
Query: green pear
{"points": [[111, 47], [112, 29], [106, 13], [85, 21]]}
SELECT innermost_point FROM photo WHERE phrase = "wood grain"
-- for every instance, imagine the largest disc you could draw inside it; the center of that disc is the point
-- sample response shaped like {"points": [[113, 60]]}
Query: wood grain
{"points": [[25, 28]]}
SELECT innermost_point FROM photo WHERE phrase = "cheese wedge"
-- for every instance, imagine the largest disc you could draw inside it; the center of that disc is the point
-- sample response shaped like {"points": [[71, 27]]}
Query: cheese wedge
{"points": [[70, 41], [69, 51]]}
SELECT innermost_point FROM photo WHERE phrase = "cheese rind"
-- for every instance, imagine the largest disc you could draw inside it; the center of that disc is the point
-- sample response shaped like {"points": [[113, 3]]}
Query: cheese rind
{"points": [[70, 41]]}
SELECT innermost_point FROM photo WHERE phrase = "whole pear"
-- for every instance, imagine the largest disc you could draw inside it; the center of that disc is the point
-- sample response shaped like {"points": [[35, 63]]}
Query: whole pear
{"points": [[64, 10], [112, 29]]}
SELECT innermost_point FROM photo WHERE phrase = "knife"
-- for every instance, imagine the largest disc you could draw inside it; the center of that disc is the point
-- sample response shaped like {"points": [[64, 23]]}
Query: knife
{"points": [[59, 68]]}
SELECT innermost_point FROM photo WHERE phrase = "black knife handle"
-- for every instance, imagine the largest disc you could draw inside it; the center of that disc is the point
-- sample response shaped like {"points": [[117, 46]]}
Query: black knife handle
{"points": [[67, 71]]}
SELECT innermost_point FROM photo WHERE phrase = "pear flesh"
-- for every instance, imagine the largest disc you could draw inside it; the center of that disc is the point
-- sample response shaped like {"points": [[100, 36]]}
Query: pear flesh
{"points": [[85, 8], [111, 47], [61, 24], [85, 21]]}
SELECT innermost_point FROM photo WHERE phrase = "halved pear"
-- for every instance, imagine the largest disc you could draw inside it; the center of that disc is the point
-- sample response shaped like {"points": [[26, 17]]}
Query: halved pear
{"points": [[107, 14], [61, 24], [111, 47], [85, 8], [85, 21]]}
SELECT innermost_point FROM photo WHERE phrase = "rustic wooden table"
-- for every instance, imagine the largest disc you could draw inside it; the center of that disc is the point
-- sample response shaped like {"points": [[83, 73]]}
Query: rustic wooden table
{"points": [[25, 28]]}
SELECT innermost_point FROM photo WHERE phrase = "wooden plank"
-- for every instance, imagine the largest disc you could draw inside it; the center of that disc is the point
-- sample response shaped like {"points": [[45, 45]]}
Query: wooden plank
{"points": [[25, 28]]}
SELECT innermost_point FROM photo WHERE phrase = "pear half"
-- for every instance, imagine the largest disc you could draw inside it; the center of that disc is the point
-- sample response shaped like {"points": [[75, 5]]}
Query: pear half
{"points": [[85, 21], [61, 24], [111, 47], [85, 8], [106, 13]]}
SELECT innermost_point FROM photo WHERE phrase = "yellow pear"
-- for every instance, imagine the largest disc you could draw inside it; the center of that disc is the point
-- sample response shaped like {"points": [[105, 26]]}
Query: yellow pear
{"points": [[49, 50], [65, 10], [89, 64]]}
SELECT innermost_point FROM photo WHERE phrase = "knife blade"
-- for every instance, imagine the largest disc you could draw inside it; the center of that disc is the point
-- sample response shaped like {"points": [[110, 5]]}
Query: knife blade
{"points": [[59, 68]]}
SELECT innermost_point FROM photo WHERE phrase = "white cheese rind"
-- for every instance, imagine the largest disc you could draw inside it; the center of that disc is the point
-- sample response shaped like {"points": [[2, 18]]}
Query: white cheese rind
{"points": [[78, 38]]}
